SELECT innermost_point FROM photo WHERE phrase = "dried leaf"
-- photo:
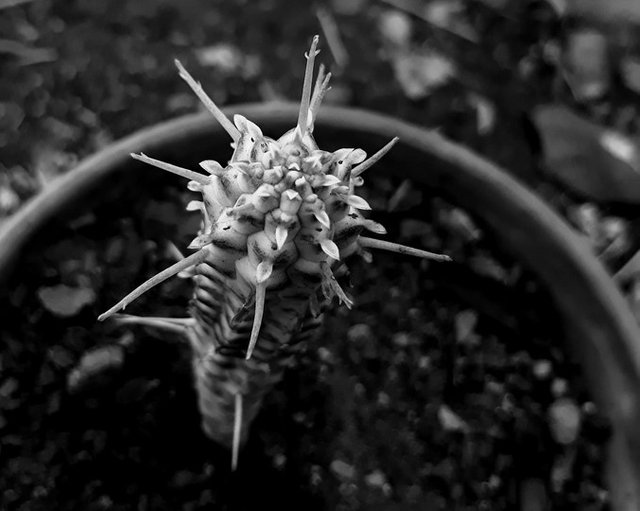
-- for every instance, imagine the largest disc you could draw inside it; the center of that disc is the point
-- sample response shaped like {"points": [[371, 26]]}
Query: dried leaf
{"points": [[594, 162]]}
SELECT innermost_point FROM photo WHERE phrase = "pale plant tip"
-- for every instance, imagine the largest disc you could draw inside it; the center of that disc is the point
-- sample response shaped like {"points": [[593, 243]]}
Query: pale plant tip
{"points": [[237, 430], [261, 291], [305, 101], [401, 249], [179, 65], [356, 171]]}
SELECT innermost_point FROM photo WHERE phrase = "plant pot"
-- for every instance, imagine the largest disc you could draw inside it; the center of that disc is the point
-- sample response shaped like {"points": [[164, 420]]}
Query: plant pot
{"points": [[601, 333]]}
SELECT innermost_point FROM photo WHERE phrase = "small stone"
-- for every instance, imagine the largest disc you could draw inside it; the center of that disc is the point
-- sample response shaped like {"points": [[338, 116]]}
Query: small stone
{"points": [[559, 387], [342, 469], [360, 332], [9, 386], [326, 356], [383, 399], [542, 369], [450, 421], [279, 461], [60, 357], [105, 502], [465, 324], [315, 478], [377, 479], [65, 301], [401, 339], [181, 479], [495, 387], [565, 420]]}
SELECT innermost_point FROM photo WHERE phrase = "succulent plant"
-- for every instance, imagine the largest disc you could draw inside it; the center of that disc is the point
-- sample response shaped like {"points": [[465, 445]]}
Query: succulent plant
{"points": [[278, 222]]}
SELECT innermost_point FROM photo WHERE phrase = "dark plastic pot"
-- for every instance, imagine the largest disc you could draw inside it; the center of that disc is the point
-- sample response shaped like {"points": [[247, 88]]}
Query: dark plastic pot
{"points": [[603, 335]]}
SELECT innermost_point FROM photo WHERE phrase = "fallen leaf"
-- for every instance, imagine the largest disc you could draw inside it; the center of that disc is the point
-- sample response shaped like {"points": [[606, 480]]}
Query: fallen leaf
{"points": [[590, 160], [342, 469], [64, 300]]}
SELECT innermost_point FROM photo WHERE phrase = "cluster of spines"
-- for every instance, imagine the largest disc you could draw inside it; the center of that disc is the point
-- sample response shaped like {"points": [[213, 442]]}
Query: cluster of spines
{"points": [[281, 212]]}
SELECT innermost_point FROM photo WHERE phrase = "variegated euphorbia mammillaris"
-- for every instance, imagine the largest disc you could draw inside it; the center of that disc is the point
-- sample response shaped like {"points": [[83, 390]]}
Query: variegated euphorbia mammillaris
{"points": [[278, 222]]}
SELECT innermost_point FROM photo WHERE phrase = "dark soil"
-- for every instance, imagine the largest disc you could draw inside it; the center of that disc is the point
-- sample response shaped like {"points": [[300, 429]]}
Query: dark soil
{"points": [[434, 392]]}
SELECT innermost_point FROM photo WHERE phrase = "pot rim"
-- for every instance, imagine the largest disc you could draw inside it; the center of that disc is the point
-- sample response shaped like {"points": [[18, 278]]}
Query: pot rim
{"points": [[610, 340]]}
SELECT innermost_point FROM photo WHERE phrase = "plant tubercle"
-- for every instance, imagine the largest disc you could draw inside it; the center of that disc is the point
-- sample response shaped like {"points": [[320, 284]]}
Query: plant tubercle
{"points": [[278, 222]]}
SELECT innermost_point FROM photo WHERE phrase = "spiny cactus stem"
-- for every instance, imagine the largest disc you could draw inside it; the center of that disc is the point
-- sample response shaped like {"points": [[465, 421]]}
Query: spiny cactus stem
{"points": [[400, 249], [356, 171], [187, 262], [174, 169], [237, 430], [261, 293], [306, 87], [208, 102]]}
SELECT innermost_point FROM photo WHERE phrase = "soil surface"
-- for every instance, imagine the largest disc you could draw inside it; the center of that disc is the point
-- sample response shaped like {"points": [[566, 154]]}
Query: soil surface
{"points": [[445, 386]]}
